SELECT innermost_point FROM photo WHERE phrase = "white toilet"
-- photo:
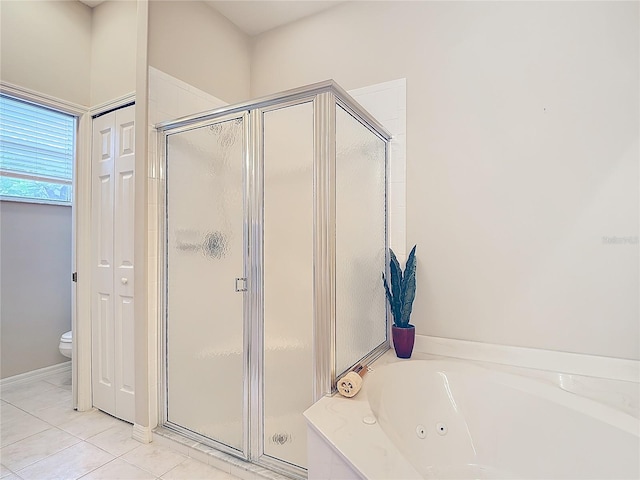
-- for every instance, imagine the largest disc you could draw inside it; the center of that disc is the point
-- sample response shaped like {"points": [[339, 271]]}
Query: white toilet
{"points": [[65, 344]]}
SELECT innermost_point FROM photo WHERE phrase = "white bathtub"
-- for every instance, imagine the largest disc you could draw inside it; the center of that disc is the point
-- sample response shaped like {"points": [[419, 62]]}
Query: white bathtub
{"points": [[455, 419]]}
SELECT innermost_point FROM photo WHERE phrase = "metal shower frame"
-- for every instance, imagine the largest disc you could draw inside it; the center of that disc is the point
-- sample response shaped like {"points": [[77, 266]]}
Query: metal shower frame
{"points": [[325, 96]]}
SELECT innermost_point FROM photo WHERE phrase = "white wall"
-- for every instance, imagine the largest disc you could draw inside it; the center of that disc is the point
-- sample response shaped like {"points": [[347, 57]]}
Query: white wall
{"points": [[35, 275], [69, 51], [522, 157], [113, 51], [46, 46], [191, 41]]}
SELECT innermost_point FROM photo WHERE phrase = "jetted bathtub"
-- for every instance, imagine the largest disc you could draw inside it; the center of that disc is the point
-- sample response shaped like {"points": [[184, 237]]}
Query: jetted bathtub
{"points": [[448, 419]]}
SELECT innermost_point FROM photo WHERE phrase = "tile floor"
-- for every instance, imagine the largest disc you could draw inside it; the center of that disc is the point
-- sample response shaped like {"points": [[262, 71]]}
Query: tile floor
{"points": [[42, 438]]}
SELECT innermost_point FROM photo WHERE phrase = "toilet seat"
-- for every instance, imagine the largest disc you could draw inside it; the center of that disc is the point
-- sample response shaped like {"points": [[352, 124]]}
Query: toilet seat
{"points": [[66, 344]]}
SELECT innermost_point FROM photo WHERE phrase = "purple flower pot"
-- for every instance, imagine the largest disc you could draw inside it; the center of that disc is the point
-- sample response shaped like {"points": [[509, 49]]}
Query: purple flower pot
{"points": [[403, 339]]}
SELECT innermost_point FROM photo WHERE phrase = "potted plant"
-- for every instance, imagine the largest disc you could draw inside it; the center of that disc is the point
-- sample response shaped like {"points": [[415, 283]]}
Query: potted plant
{"points": [[400, 296]]}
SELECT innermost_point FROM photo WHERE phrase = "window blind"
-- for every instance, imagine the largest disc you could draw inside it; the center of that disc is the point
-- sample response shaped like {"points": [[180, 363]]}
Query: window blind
{"points": [[37, 147]]}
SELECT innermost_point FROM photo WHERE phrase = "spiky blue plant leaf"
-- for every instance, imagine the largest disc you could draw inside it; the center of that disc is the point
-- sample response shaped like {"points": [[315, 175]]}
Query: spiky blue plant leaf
{"points": [[410, 266], [386, 289], [408, 288], [396, 286], [408, 304], [409, 295]]}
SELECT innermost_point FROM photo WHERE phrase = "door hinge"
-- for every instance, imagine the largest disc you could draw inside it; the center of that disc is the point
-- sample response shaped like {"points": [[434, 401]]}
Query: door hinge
{"points": [[241, 284], [74, 277]]}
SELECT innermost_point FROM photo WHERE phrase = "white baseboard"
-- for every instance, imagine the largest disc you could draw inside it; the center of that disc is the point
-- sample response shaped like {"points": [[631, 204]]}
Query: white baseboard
{"points": [[37, 374], [142, 434], [564, 362]]}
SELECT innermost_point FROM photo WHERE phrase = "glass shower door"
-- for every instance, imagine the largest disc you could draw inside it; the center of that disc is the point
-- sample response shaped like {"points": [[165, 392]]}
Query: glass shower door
{"points": [[361, 309], [288, 156], [206, 250]]}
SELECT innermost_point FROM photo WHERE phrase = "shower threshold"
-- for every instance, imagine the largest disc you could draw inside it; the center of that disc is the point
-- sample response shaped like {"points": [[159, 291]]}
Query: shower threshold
{"points": [[223, 461]]}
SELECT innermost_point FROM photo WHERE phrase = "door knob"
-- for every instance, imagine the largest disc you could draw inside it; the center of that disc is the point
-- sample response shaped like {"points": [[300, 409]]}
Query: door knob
{"points": [[124, 280]]}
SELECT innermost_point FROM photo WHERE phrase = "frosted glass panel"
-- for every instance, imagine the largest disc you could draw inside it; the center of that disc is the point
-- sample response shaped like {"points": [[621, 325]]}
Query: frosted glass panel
{"points": [[360, 240], [288, 280], [205, 254]]}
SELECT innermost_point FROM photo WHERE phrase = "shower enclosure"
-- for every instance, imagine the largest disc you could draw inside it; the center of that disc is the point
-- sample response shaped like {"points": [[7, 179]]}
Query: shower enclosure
{"points": [[274, 241]]}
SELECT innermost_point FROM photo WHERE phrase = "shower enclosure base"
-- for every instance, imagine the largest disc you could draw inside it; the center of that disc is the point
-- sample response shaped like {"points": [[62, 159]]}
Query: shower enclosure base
{"points": [[220, 460]]}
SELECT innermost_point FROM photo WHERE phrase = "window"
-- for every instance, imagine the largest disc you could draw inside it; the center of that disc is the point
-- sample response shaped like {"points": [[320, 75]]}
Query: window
{"points": [[37, 147]]}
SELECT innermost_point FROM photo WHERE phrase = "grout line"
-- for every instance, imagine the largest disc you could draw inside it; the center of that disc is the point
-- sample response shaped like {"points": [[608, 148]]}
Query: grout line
{"points": [[48, 456], [85, 474]]}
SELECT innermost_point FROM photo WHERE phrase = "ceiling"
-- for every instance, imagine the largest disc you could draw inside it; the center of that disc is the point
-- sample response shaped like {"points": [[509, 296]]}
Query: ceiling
{"points": [[256, 16], [92, 3]]}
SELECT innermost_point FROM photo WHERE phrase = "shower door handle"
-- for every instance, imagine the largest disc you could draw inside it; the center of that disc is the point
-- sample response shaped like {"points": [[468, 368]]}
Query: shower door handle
{"points": [[241, 284]]}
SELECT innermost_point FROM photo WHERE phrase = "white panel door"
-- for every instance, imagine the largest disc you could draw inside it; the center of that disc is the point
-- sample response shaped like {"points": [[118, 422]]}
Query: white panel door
{"points": [[102, 193], [113, 161], [123, 261]]}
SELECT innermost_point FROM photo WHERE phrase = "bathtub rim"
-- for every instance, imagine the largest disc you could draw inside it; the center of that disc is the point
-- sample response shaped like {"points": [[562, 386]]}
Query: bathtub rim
{"points": [[610, 368]]}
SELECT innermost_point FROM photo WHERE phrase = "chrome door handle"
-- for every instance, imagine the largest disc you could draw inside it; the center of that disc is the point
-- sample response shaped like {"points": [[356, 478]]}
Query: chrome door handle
{"points": [[241, 284]]}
